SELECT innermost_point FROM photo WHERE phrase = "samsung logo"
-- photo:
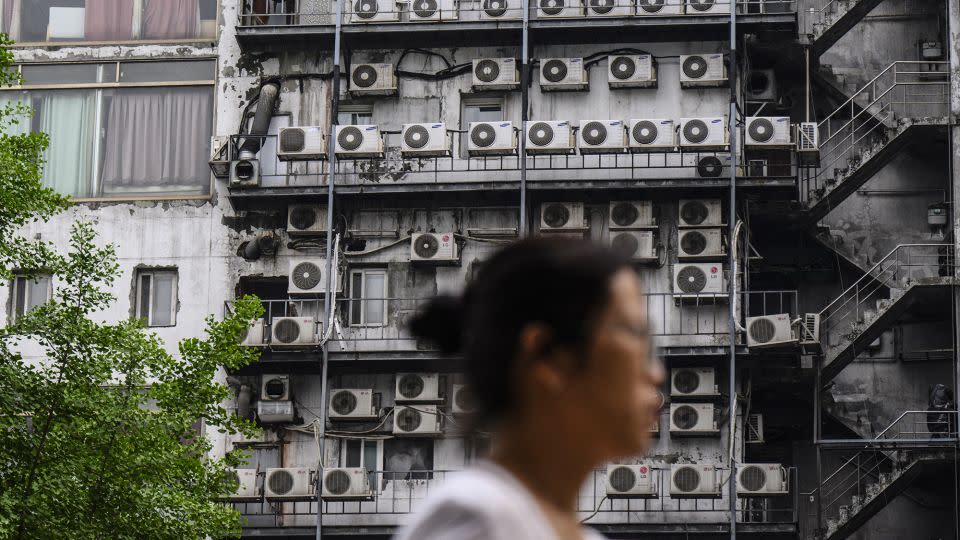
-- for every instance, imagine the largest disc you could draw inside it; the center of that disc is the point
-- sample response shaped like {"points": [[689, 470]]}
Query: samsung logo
{"points": [[716, 121], [504, 124], [370, 128], [435, 126]]}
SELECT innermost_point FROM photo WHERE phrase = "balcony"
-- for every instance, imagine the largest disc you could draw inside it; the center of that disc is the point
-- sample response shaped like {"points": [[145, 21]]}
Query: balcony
{"points": [[279, 24]]}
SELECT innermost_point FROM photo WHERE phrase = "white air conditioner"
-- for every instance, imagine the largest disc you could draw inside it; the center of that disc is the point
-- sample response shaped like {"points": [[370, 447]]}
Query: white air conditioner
{"points": [[700, 213], [550, 137], [256, 335], [602, 136], [359, 141], [708, 7], [631, 215], [373, 79], [491, 138], [694, 480], [463, 401], [563, 74], [274, 387], [276, 412], [767, 131], [754, 433], [770, 331], [640, 481], [500, 10], [246, 490], [609, 8], [703, 133], [559, 9], [700, 244], [289, 332], [693, 419], [702, 70], [244, 173], [290, 483], [761, 85], [761, 479], [809, 330], [652, 134], [346, 483], [306, 219], [631, 71], [434, 247], [433, 10], [417, 388], [416, 420], [425, 140], [351, 404], [637, 245], [699, 280], [495, 74], [808, 143], [301, 143], [374, 11], [562, 216], [693, 382], [307, 276], [647, 8]]}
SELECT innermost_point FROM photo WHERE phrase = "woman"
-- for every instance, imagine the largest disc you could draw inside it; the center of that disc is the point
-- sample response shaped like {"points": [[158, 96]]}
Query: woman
{"points": [[557, 350]]}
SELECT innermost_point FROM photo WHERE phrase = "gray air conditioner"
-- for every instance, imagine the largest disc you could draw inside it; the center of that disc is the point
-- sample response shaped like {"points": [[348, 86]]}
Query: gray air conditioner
{"points": [[761, 479], [416, 421], [809, 330], [609, 8], [359, 141], [491, 139], [495, 74], [602, 137], [631, 71], [808, 144], [634, 481], [373, 11], [563, 74], [417, 388], [307, 276], [702, 70], [693, 420], [351, 404], [306, 220], [559, 9], [562, 216], [290, 483], [434, 247], [294, 332], [647, 8], [652, 134], [636, 245], [768, 132], [693, 481], [463, 400], [373, 80], [276, 412], [433, 10], [770, 331], [550, 137], [700, 244], [703, 133], [708, 7], [700, 213], [699, 281], [244, 173], [274, 387], [693, 382], [256, 335], [345, 484], [245, 481], [301, 143], [430, 139], [500, 10], [761, 85], [631, 215]]}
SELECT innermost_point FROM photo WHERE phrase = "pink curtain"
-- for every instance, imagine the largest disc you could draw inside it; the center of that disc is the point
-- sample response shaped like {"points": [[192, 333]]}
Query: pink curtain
{"points": [[170, 19], [108, 20]]}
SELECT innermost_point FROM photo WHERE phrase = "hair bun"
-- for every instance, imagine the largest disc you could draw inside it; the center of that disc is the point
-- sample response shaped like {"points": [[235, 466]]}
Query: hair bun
{"points": [[441, 322]]}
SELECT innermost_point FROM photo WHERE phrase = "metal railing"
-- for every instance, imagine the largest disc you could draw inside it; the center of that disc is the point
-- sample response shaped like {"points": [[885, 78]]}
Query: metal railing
{"points": [[851, 135]]}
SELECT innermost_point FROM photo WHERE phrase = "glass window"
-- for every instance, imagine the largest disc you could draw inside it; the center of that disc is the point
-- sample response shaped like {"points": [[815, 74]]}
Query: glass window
{"points": [[199, 70], [368, 295], [28, 293], [478, 111], [408, 459], [355, 115], [157, 297], [363, 453]]}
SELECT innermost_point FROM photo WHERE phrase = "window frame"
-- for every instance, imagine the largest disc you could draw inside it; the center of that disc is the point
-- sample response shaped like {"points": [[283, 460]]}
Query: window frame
{"points": [[477, 102], [353, 109], [14, 287], [362, 300], [174, 290]]}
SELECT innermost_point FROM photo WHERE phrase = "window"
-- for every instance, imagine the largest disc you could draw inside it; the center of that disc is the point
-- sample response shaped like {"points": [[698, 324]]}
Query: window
{"points": [[157, 297], [407, 459], [355, 115], [118, 135], [487, 110], [368, 297], [36, 21], [28, 293], [363, 453]]}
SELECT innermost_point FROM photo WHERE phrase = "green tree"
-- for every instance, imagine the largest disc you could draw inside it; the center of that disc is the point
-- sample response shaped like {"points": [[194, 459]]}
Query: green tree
{"points": [[98, 433]]}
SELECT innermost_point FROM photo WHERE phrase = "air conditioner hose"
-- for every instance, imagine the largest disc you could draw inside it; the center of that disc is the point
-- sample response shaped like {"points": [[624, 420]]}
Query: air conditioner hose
{"points": [[267, 102]]}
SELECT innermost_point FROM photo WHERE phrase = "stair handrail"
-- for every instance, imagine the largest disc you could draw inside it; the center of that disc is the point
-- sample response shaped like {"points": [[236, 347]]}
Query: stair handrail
{"points": [[859, 91], [905, 413]]}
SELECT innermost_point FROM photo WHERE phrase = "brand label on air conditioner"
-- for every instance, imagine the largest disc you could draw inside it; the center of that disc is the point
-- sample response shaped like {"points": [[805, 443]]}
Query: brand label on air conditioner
{"points": [[445, 238], [370, 128], [575, 61], [504, 124], [714, 269], [783, 119], [716, 121], [435, 126], [665, 122], [508, 60], [615, 122], [560, 124]]}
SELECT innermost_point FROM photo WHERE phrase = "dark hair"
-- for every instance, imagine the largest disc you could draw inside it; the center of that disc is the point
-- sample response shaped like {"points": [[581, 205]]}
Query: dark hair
{"points": [[559, 282]]}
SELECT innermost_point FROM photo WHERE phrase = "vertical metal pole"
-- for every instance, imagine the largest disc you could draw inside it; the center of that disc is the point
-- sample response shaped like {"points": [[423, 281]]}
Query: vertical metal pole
{"points": [[732, 264], [816, 442], [953, 92], [524, 88]]}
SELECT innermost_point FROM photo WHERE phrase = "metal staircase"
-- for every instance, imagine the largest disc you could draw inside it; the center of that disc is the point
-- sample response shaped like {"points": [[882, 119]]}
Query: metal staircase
{"points": [[833, 19]]}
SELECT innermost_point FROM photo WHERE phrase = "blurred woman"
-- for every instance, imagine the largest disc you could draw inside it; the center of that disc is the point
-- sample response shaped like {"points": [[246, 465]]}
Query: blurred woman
{"points": [[555, 340]]}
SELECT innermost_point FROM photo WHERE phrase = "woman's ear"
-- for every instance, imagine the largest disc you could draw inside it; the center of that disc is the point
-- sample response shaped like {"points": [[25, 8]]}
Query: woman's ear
{"points": [[544, 368]]}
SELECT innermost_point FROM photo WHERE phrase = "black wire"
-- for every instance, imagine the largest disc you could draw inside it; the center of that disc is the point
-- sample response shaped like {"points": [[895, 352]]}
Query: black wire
{"points": [[446, 62]]}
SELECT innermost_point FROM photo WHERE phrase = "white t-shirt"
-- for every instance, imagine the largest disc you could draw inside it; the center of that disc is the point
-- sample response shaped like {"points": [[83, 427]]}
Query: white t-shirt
{"points": [[483, 503]]}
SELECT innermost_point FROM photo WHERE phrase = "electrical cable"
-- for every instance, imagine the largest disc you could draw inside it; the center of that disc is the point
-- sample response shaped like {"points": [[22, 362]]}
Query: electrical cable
{"points": [[378, 248], [596, 511]]}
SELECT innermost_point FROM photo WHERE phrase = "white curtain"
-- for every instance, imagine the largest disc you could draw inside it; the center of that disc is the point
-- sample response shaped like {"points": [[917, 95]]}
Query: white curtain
{"points": [[67, 117], [8, 103], [11, 10]]}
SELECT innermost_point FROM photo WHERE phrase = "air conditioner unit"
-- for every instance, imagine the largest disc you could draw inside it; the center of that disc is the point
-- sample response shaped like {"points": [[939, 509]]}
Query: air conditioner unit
{"points": [[434, 247], [301, 143], [276, 412], [693, 382], [602, 136], [699, 281], [702, 70], [711, 166], [639, 481], [652, 134], [770, 331], [307, 276], [417, 388], [491, 138], [373, 79], [808, 143], [631, 215], [637, 245], [359, 141], [346, 483], [374, 11], [433, 10], [609, 8], [761, 479], [559, 9], [291, 483], [703, 133], [500, 10], [417, 420], [274, 388], [291, 332], [563, 74], [693, 481], [754, 433], [693, 419], [351, 404], [809, 331], [245, 173], [246, 485], [425, 140], [463, 401], [708, 7], [700, 213], [562, 216], [631, 70], [700, 244], [761, 85], [255, 335], [495, 74], [550, 137], [772, 131], [647, 8], [306, 220]]}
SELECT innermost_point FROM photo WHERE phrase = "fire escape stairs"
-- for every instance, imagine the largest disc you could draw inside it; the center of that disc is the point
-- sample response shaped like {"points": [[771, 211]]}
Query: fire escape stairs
{"points": [[836, 18]]}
